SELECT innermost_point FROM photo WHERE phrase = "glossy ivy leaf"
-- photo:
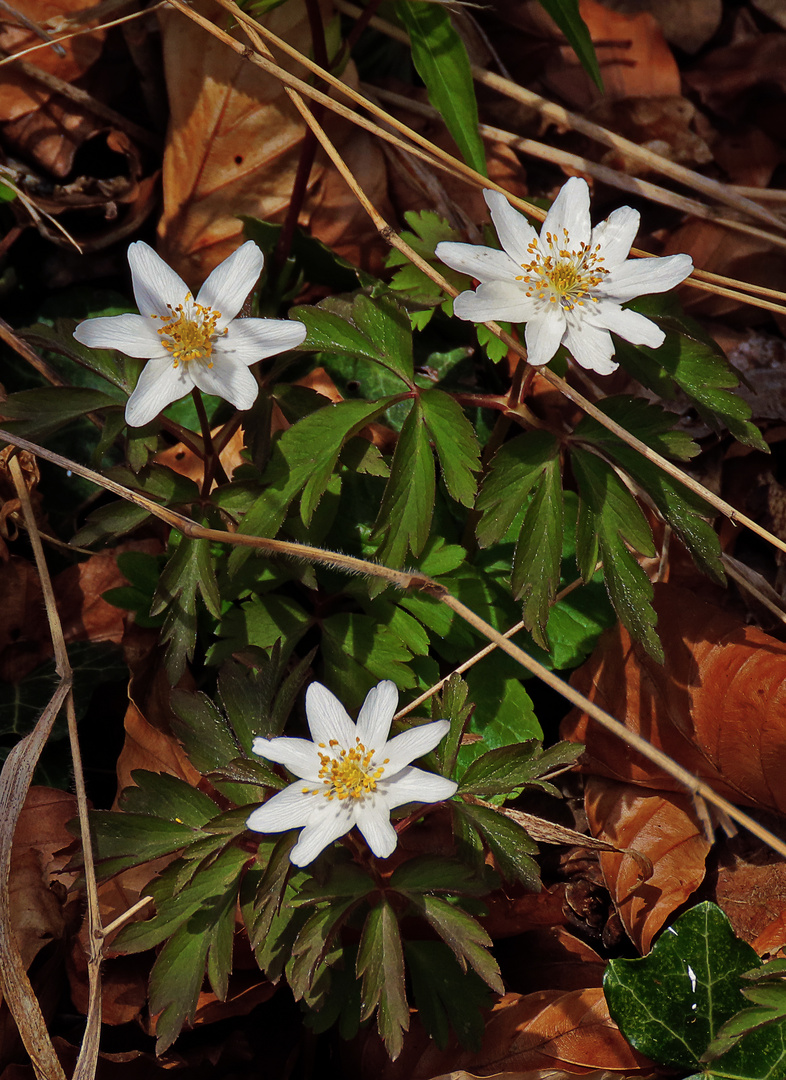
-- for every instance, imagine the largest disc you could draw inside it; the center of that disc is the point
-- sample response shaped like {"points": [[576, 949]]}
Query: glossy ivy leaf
{"points": [[37, 414], [441, 60], [671, 1004], [693, 361], [303, 459], [404, 520], [189, 572], [610, 518], [768, 993], [455, 442], [380, 965], [446, 997], [679, 506], [508, 842], [377, 330], [567, 16]]}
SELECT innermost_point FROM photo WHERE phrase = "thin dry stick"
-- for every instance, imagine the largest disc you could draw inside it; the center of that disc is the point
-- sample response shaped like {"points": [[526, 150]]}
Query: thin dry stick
{"points": [[563, 117], [407, 580], [88, 1053], [432, 154], [623, 181]]}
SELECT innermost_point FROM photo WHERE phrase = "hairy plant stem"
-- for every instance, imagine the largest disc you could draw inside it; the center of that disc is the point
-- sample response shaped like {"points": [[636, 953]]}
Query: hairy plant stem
{"points": [[211, 459]]}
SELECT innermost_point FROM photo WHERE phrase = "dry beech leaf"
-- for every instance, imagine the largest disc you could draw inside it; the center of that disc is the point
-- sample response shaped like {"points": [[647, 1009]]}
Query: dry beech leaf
{"points": [[750, 886], [661, 825], [233, 143], [146, 747], [717, 704], [37, 891], [19, 93], [634, 59], [546, 1030]]}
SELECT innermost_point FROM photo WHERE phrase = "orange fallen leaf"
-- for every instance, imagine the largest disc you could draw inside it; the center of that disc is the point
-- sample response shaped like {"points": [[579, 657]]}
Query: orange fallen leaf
{"points": [[717, 704], [664, 827]]}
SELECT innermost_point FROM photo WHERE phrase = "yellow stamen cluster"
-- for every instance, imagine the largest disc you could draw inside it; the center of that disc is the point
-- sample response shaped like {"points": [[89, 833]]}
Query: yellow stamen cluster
{"points": [[347, 774], [190, 331], [560, 274]]}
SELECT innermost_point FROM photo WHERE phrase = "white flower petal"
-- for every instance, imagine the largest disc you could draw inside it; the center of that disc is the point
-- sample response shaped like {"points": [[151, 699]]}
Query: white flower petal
{"points": [[615, 236], [514, 231], [300, 756], [570, 210], [640, 277], [483, 263], [410, 745], [629, 325], [381, 837], [591, 347], [543, 335], [376, 715], [227, 379], [129, 334], [329, 824], [227, 287], [155, 284], [328, 719], [289, 809], [159, 385], [495, 300], [418, 786], [249, 340]]}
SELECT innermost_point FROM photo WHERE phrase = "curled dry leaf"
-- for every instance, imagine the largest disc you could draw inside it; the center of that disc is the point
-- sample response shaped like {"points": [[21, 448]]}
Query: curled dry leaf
{"points": [[146, 747], [547, 1030], [19, 93], [717, 704], [37, 889], [664, 827]]}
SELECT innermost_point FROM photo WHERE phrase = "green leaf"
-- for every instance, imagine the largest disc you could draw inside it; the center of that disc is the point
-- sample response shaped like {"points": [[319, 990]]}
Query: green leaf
{"points": [[508, 767], [514, 470], [169, 797], [671, 1003], [124, 840], [188, 572], [508, 842], [617, 519], [358, 652], [467, 939], [698, 366], [38, 413], [114, 519], [566, 15], [678, 505], [380, 964], [429, 229], [538, 558], [441, 60], [404, 520], [445, 995], [376, 330], [456, 444], [114, 367], [427, 874], [304, 458]]}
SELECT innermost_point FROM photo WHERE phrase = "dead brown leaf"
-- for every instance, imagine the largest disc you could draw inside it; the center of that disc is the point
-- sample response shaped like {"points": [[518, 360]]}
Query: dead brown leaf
{"points": [[146, 747], [716, 705], [664, 827], [233, 142]]}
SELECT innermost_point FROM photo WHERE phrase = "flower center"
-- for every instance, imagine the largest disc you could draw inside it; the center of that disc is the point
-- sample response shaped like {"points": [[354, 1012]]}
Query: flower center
{"points": [[349, 775], [190, 331], [561, 274]]}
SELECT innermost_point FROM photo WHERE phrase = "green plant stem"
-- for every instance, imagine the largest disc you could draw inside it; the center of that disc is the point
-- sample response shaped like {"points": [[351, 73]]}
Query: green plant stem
{"points": [[212, 461]]}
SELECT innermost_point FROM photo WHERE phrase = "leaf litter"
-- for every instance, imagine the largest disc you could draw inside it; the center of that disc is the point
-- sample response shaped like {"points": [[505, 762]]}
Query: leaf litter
{"points": [[714, 705]]}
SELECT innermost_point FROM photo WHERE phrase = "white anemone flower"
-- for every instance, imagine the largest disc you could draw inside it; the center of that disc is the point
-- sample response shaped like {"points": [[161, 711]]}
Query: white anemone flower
{"points": [[350, 774], [189, 342], [567, 284]]}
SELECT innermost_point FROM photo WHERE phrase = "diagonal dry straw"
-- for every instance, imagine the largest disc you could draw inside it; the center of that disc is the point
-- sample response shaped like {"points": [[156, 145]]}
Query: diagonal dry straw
{"points": [[15, 780], [405, 579]]}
